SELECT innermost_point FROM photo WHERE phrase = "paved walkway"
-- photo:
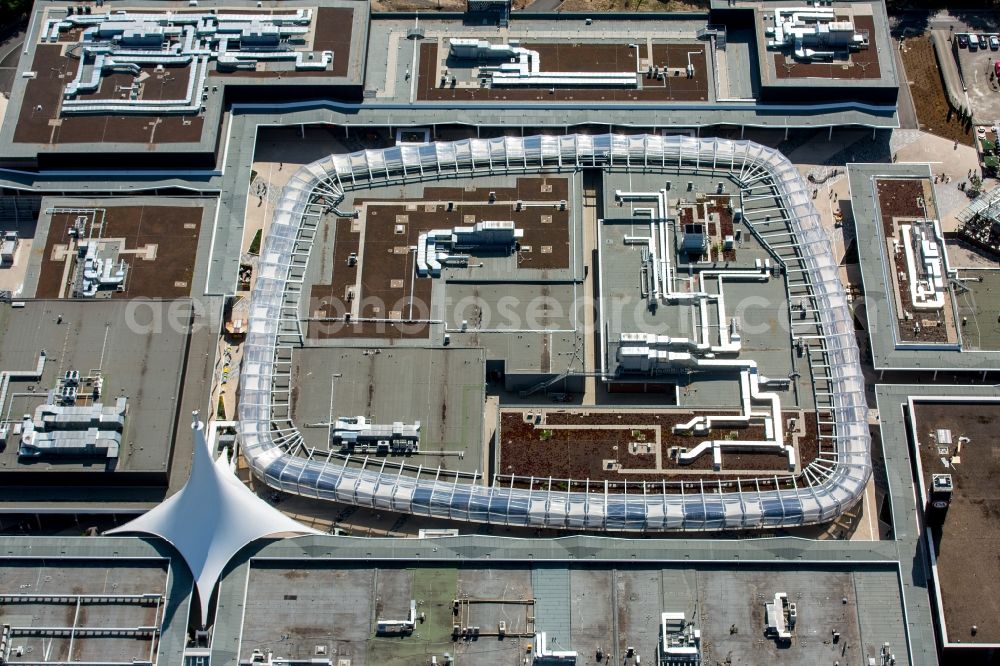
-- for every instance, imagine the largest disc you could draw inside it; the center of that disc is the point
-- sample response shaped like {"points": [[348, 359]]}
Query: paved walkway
{"points": [[907, 112], [945, 158], [589, 322]]}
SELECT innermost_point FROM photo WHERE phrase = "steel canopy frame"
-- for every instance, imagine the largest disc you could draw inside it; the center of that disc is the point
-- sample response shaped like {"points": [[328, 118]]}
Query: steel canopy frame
{"points": [[269, 438]]}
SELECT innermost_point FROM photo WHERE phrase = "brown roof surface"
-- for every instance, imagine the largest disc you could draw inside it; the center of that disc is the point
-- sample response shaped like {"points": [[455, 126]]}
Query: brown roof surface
{"points": [[333, 33], [40, 122], [173, 229], [559, 450], [861, 65], [43, 125], [387, 265], [900, 198], [581, 58], [171, 83], [968, 543]]}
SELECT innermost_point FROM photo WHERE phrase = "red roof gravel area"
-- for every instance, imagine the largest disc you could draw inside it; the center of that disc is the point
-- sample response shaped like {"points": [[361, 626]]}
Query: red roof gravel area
{"points": [[581, 58], [544, 451], [39, 120], [173, 229], [899, 198], [862, 64]]}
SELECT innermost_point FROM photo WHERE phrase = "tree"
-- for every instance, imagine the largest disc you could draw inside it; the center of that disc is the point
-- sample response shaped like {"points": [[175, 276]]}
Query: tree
{"points": [[975, 185], [12, 11]]}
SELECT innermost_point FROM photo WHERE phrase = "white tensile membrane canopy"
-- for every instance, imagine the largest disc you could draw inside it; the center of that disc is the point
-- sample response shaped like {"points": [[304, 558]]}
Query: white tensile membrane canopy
{"points": [[211, 518]]}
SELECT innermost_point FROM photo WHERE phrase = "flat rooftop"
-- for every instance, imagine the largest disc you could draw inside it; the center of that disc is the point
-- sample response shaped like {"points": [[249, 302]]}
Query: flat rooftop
{"points": [[122, 343], [978, 300], [394, 66], [618, 445], [966, 334], [366, 268], [860, 65], [440, 388], [869, 67], [760, 307], [65, 610], [40, 100], [562, 46], [902, 201], [964, 546], [561, 57], [309, 608], [715, 353], [163, 242], [372, 274], [295, 594], [613, 447], [519, 319]]}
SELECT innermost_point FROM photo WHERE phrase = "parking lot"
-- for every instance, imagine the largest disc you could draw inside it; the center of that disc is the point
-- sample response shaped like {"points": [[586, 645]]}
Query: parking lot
{"points": [[977, 65]]}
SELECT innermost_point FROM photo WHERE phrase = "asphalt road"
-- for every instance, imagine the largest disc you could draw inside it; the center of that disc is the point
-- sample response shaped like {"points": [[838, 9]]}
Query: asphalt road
{"points": [[960, 21], [10, 56], [543, 6], [9, 52]]}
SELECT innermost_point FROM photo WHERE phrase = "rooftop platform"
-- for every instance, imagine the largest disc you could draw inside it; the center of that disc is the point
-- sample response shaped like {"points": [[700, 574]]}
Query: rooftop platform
{"points": [[65, 611], [587, 608], [963, 574], [964, 336], [184, 94], [866, 72], [971, 529], [163, 242], [613, 449], [374, 278], [73, 599], [562, 45], [761, 308], [138, 351], [312, 590], [440, 388], [783, 215], [385, 70]]}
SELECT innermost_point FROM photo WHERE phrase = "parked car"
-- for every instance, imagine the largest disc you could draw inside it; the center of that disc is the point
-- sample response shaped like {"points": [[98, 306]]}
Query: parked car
{"points": [[996, 69], [994, 43], [963, 40], [973, 42]]}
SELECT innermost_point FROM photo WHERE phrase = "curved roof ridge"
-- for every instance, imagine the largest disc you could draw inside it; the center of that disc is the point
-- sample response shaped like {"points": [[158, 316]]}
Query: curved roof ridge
{"points": [[211, 518]]}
